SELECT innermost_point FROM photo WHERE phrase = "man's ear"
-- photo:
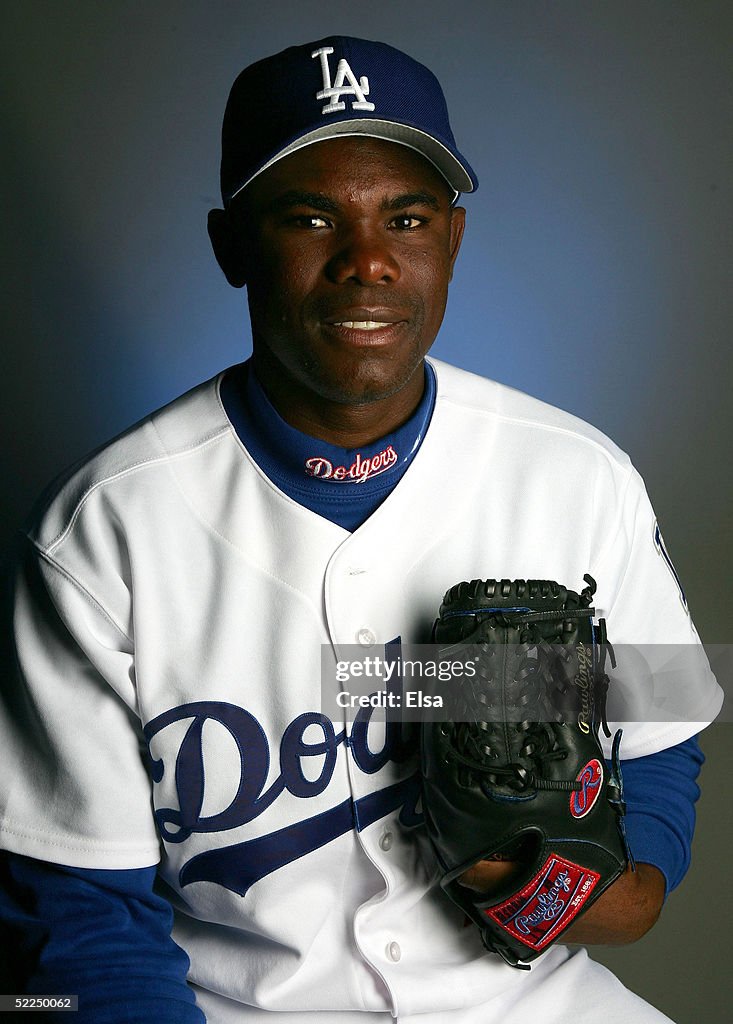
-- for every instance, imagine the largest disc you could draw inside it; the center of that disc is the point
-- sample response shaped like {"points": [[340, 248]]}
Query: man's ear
{"points": [[227, 247], [457, 225]]}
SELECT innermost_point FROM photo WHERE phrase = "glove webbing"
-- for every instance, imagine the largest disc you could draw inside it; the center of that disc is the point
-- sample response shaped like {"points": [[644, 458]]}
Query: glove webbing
{"points": [[539, 734]]}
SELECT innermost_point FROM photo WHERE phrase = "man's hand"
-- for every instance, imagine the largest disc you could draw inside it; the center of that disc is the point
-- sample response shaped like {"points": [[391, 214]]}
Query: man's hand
{"points": [[625, 911]]}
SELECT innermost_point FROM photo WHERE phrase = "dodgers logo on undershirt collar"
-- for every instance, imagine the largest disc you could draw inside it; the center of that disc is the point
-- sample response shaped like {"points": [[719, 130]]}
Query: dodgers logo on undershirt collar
{"points": [[356, 87], [360, 470]]}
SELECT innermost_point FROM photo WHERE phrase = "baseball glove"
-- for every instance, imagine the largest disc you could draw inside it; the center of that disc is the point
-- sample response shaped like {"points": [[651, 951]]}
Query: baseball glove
{"points": [[517, 772]]}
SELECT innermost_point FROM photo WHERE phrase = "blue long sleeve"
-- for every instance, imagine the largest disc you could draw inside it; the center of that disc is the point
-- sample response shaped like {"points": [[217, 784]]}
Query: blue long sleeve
{"points": [[101, 935], [661, 790]]}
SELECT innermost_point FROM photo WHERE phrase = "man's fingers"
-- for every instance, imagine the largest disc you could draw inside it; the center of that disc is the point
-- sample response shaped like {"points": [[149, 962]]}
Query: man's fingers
{"points": [[488, 875]]}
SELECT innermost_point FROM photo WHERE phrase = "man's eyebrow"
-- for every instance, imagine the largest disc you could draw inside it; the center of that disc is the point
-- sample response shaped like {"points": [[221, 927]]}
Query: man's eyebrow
{"points": [[320, 201], [295, 197], [411, 199]]}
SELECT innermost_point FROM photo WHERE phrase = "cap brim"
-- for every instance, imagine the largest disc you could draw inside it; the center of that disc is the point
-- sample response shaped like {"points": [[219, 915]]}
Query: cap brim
{"points": [[456, 172]]}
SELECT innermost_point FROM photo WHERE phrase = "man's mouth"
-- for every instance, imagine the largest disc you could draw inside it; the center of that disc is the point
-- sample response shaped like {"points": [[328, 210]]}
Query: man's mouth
{"points": [[357, 318], [361, 325]]}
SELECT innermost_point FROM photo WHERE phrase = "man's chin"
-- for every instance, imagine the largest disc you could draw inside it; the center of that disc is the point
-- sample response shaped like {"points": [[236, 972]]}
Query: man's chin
{"points": [[370, 394], [368, 388], [341, 384]]}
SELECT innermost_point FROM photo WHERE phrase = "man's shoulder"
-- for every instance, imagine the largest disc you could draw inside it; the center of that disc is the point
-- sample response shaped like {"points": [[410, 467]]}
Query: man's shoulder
{"points": [[521, 414], [183, 426]]}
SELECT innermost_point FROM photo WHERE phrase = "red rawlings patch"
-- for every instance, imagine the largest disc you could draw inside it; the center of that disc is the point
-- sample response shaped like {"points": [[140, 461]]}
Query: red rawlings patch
{"points": [[590, 778], [547, 904]]}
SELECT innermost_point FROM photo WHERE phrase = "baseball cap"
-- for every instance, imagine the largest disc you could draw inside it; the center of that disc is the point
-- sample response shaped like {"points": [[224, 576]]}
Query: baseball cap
{"points": [[336, 86]]}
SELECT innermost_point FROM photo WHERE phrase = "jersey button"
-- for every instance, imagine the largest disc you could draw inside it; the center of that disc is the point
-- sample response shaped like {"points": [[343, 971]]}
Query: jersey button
{"points": [[366, 637], [394, 952], [386, 841]]}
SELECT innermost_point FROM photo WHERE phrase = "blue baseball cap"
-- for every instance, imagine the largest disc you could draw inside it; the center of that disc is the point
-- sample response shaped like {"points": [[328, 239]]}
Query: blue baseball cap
{"points": [[334, 87]]}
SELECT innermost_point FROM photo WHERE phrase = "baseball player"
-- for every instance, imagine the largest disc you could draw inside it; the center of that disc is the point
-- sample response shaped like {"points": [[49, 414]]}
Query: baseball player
{"points": [[187, 834]]}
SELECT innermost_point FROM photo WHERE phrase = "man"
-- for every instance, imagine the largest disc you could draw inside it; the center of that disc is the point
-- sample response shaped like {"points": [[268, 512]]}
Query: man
{"points": [[176, 592]]}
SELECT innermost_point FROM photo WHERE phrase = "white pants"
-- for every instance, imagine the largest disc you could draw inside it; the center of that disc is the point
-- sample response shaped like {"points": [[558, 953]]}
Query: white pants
{"points": [[569, 990]]}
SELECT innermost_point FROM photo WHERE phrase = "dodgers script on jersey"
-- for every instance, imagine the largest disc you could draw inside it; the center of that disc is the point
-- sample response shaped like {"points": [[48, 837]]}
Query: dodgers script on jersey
{"points": [[174, 601]]}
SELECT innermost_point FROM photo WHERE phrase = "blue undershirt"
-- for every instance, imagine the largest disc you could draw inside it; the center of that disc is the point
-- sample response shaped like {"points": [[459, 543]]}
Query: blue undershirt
{"points": [[344, 485], [106, 934]]}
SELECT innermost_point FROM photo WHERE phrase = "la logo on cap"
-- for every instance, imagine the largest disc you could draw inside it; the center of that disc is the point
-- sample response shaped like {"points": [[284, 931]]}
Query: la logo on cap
{"points": [[358, 88]]}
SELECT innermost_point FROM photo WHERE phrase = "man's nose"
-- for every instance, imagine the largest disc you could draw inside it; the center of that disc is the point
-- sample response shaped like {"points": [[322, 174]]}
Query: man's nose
{"points": [[365, 256]]}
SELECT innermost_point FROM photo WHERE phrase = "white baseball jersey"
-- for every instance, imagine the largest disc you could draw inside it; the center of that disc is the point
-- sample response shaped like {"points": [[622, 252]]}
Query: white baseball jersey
{"points": [[175, 603]]}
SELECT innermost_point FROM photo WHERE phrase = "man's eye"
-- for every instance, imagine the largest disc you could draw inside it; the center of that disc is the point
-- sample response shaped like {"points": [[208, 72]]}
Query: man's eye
{"points": [[310, 220], [408, 222]]}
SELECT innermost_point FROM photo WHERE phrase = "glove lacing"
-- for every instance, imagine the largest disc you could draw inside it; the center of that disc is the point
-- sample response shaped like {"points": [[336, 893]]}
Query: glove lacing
{"points": [[521, 734]]}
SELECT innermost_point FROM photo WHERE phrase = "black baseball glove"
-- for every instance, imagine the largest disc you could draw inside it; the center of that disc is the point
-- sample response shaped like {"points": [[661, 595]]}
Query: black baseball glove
{"points": [[515, 771]]}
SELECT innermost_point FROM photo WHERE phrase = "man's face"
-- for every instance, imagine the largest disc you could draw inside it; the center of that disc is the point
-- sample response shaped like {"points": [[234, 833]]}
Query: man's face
{"points": [[348, 248]]}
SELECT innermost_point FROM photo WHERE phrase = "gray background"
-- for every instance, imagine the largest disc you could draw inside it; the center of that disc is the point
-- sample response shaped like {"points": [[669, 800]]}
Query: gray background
{"points": [[595, 271]]}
